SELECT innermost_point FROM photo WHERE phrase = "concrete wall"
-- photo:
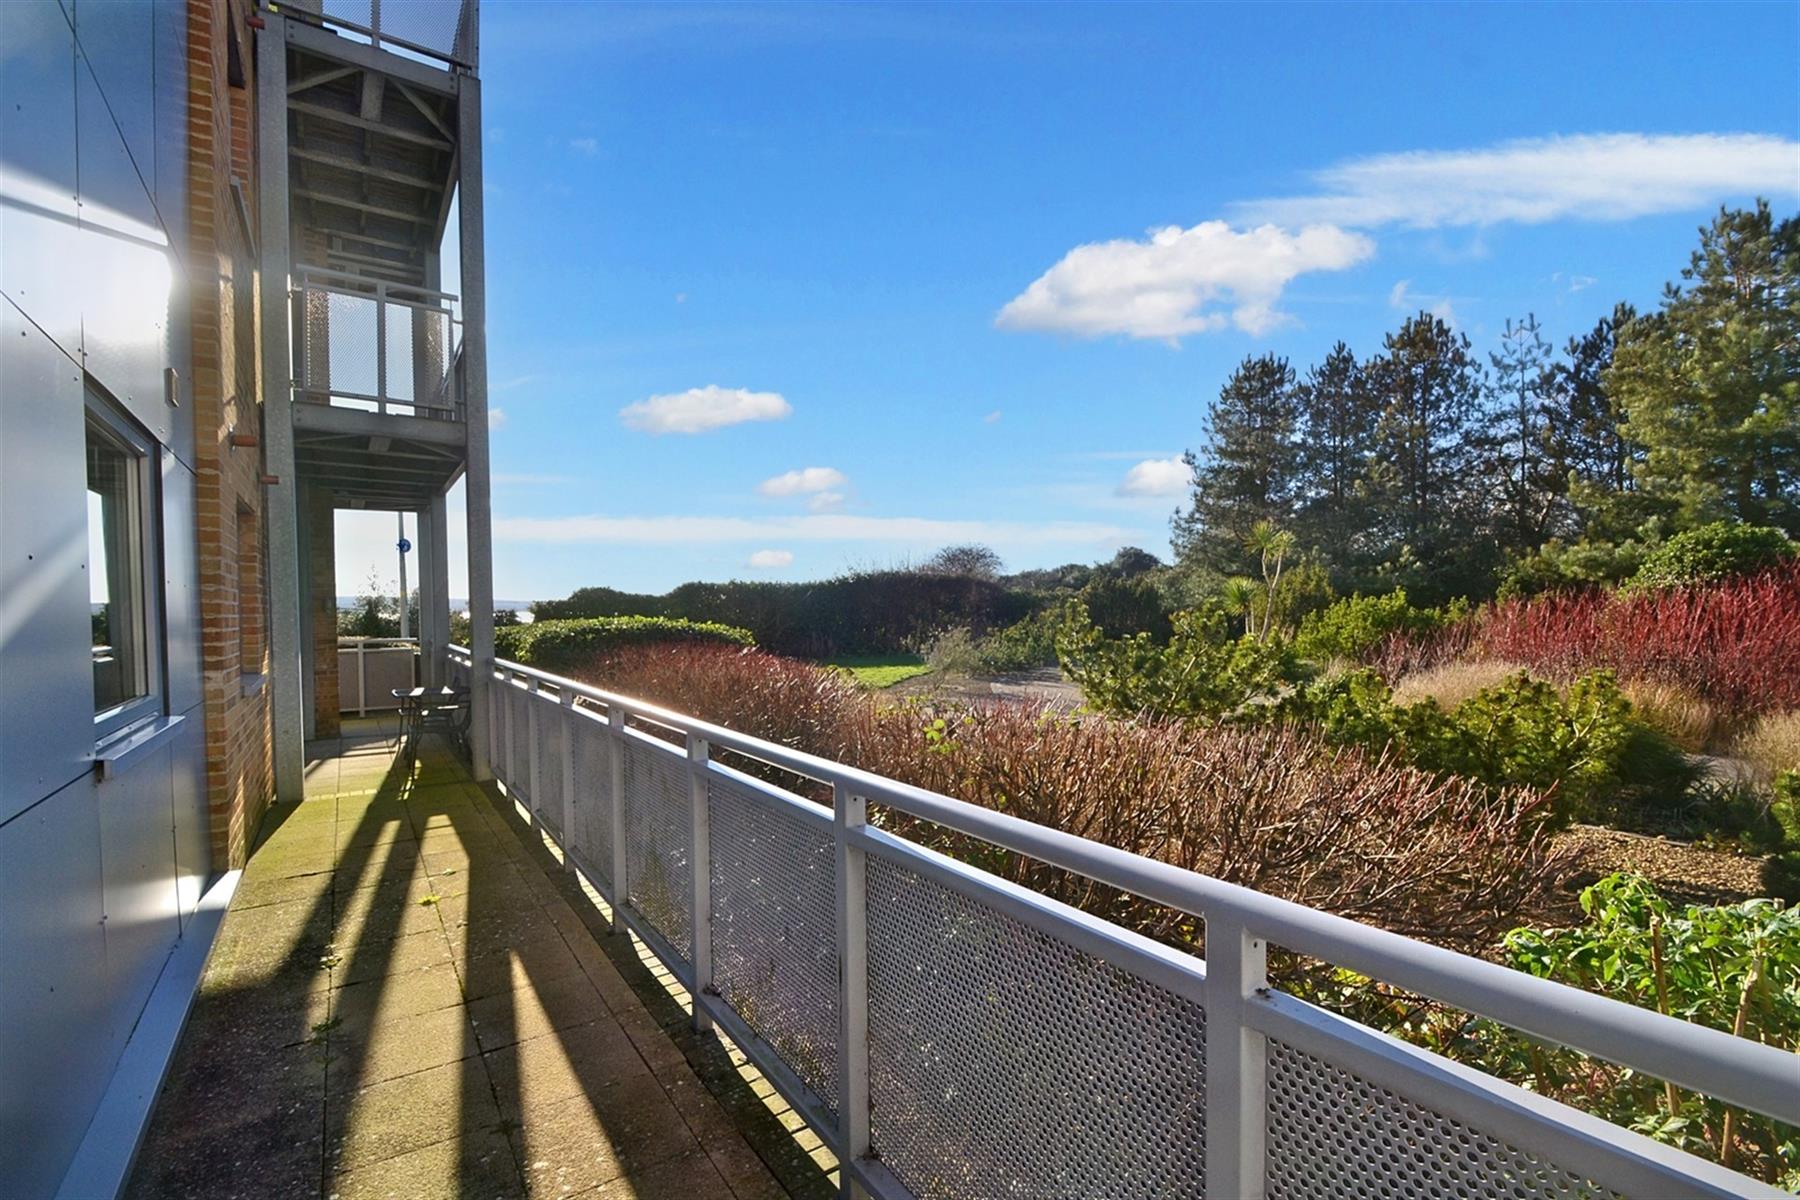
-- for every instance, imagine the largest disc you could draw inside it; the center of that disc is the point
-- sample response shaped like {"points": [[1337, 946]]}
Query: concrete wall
{"points": [[96, 878]]}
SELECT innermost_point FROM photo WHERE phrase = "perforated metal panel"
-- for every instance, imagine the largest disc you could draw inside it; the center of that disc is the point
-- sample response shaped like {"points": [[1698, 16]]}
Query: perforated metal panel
{"points": [[1332, 1135], [549, 759], [1004, 1062], [774, 890], [347, 339], [658, 824], [593, 800], [399, 352]]}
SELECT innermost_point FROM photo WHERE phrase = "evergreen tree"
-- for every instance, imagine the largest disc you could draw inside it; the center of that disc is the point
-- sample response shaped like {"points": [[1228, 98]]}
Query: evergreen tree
{"points": [[1529, 494], [1430, 453], [1247, 472], [1339, 414], [1588, 450], [1710, 384]]}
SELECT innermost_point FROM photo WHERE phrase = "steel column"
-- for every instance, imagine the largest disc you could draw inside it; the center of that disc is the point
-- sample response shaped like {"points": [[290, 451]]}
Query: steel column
{"points": [[849, 812], [474, 309], [1236, 1062], [533, 770], [615, 765], [282, 497], [700, 896], [568, 718]]}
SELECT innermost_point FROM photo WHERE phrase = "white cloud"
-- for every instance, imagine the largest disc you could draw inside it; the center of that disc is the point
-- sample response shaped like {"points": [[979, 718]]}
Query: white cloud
{"points": [[700, 409], [1179, 281], [585, 145], [669, 530], [1157, 477], [496, 418], [1594, 177], [771, 560], [804, 481], [1397, 295], [825, 502], [991, 418]]}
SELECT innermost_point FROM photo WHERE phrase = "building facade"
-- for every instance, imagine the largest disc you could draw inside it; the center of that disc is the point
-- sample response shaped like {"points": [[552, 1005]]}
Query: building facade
{"points": [[221, 319]]}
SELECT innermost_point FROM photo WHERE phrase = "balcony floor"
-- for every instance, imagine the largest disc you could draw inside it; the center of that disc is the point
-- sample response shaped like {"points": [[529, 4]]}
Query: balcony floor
{"points": [[407, 999]]}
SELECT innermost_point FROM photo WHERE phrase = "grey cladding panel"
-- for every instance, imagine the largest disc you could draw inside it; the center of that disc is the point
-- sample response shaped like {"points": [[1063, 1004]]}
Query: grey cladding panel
{"points": [[137, 840], [181, 585], [47, 705], [53, 1007], [37, 168]]}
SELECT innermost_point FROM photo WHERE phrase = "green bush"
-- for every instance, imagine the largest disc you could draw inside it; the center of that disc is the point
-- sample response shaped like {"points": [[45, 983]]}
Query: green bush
{"points": [[1121, 607], [1194, 675], [564, 646], [1561, 567], [1580, 748], [1354, 627], [1712, 552], [1022, 645]]}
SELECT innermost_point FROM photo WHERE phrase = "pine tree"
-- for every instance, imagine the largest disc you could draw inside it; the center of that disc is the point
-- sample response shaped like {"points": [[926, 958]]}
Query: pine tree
{"points": [[1710, 384], [1247, 472], [1430, 453], [1339, 414], [1588, 449], [1529, 495]]}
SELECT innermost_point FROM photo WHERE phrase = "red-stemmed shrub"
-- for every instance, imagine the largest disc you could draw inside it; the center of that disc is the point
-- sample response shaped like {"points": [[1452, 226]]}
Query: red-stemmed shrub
{"points": [[1736, 644]]}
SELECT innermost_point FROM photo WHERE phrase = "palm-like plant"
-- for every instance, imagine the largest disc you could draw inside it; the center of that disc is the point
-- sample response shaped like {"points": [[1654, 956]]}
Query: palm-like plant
{"points": [[1272, 545]]}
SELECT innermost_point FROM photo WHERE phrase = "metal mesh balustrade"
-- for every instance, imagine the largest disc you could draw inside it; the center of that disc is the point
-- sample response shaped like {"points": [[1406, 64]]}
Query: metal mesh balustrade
{"points": [[1004, 1062], [774, 912], [658, 827], [549, 759], [592, 836], [1332, 1135]]}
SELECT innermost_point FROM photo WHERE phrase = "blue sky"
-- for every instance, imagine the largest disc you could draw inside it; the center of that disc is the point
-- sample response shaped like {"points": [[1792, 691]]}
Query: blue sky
{"points": [[849, 230]]}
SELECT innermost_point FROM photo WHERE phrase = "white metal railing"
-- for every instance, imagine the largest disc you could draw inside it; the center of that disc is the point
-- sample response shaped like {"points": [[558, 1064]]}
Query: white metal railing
{"points": [[441, 30], [948, 1033], [378, 344], [370, 668]]}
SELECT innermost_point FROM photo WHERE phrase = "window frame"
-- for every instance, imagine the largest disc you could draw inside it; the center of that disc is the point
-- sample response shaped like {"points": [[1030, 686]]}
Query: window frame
{"points": [[110, 419]]}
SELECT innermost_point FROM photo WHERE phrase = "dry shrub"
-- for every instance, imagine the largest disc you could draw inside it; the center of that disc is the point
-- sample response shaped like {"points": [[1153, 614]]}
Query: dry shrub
{"points": [[1452, 683], [1674, 711], [1271, 809], [781, 700], [1773, 743]]}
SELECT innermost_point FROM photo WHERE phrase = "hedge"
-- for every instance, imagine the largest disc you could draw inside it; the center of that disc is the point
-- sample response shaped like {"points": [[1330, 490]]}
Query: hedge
{"points": [[564, 646], [873, 612]]}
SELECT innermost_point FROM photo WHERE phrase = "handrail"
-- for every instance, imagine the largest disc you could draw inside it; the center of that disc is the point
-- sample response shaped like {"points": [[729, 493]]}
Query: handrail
{"points": [[462, 52], [1748, 1074]]}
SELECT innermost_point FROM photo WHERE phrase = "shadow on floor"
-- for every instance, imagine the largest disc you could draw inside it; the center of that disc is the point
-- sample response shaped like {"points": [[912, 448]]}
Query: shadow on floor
{"points": [[410, 998]]}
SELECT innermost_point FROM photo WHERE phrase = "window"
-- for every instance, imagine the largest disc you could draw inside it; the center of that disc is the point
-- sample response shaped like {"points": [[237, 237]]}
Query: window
{"points": [[121, 599]]}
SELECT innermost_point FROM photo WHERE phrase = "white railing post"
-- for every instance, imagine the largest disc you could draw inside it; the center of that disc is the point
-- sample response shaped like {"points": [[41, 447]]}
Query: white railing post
{"points": [[532, 771], [1236, 1063], [850, 813], [700, 864], [362, 679], [568, 778], [504, 694], [615, 728]]}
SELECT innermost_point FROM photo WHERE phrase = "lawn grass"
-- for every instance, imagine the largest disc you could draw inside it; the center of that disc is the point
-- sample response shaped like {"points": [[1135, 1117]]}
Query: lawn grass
{"points": [[881, 670]]}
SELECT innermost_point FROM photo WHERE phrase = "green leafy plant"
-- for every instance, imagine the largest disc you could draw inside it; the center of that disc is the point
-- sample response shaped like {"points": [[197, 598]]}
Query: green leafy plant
{"points": [[1356, 626], [1022, 645], [1194, 675], [1711, 553], [1731, 967]]}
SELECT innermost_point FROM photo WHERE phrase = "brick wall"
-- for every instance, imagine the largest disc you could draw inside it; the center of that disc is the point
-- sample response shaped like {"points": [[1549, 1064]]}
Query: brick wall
{"points": [[227, 399]]}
